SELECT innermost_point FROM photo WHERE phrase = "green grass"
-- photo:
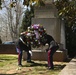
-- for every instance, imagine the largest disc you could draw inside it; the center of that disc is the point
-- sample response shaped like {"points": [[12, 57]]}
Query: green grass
{"points": [[7, 59], [8, 66]]}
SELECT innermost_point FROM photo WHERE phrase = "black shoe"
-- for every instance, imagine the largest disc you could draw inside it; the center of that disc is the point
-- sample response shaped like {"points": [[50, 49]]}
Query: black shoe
{"points": [[30, 62], [50, 68], [20, 65]]}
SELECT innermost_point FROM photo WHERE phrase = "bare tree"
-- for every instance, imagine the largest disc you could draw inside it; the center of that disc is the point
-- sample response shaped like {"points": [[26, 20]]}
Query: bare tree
{"points": [[14, 11], [12, 18]]}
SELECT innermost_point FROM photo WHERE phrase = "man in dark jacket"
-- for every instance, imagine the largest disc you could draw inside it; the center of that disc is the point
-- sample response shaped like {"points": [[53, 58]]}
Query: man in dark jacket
{"points": [[22, 45], [53, 46]]}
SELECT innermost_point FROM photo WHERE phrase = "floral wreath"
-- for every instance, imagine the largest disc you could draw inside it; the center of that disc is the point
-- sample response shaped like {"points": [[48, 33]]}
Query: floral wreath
{"points": [[33, 31]]}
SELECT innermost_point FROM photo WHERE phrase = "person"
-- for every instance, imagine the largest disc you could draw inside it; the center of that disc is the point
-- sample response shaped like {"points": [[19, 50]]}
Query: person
{"points": [[53, 46], [21, 45]]}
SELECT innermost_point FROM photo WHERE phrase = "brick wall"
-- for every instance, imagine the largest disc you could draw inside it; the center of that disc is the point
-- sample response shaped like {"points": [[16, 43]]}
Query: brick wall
{"points": [[7, 49]]}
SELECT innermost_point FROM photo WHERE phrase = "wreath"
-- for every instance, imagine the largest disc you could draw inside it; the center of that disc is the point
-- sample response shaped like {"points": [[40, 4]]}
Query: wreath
{"points": [[34, 34]]}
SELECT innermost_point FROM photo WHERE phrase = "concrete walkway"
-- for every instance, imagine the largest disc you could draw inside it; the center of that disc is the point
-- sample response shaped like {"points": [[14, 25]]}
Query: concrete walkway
{"points": [[70, 68]]}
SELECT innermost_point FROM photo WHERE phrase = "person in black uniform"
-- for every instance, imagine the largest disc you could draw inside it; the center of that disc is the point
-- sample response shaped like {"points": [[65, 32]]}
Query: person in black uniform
{"points": [[53, 46], [22, 45]]}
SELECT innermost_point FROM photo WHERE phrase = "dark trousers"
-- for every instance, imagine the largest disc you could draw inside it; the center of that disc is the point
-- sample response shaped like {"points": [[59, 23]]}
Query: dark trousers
{"points": [[50, 57], [20, 53]]}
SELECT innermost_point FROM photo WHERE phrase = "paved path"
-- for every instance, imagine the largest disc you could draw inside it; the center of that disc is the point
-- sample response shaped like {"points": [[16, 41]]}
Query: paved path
{"points": [[70, 68]]}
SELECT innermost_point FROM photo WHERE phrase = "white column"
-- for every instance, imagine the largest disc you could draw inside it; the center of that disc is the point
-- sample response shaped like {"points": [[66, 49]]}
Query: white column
{"points": [[63, 34]]}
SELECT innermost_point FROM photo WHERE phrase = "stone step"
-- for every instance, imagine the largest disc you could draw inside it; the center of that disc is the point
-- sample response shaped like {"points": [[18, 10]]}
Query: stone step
{"points": [[42, 56]]}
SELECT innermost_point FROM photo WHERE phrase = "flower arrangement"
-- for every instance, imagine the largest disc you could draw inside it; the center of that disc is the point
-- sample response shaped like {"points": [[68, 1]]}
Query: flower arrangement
{"points": [[34, 33]]}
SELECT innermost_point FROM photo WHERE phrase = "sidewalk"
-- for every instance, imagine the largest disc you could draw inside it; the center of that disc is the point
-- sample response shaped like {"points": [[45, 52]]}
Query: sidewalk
{"points": [[70, 68]]}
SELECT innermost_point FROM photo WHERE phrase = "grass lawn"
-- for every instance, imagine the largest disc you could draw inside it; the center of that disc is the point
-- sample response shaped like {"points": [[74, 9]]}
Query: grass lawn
{"points": [[8, 66]]}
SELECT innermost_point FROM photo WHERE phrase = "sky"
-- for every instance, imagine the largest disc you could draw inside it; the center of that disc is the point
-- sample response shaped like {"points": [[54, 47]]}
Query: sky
{"points": [[3, 10]]}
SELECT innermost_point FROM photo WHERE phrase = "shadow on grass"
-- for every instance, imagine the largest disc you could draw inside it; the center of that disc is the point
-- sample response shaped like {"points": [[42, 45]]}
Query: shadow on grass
{"points": [[7, 59], [7, 74], [59, 67], [56, 67], [34, 64]]}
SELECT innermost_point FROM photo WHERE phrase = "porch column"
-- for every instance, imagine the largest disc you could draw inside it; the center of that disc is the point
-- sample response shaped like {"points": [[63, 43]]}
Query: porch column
{"points": [[63, 34]]}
